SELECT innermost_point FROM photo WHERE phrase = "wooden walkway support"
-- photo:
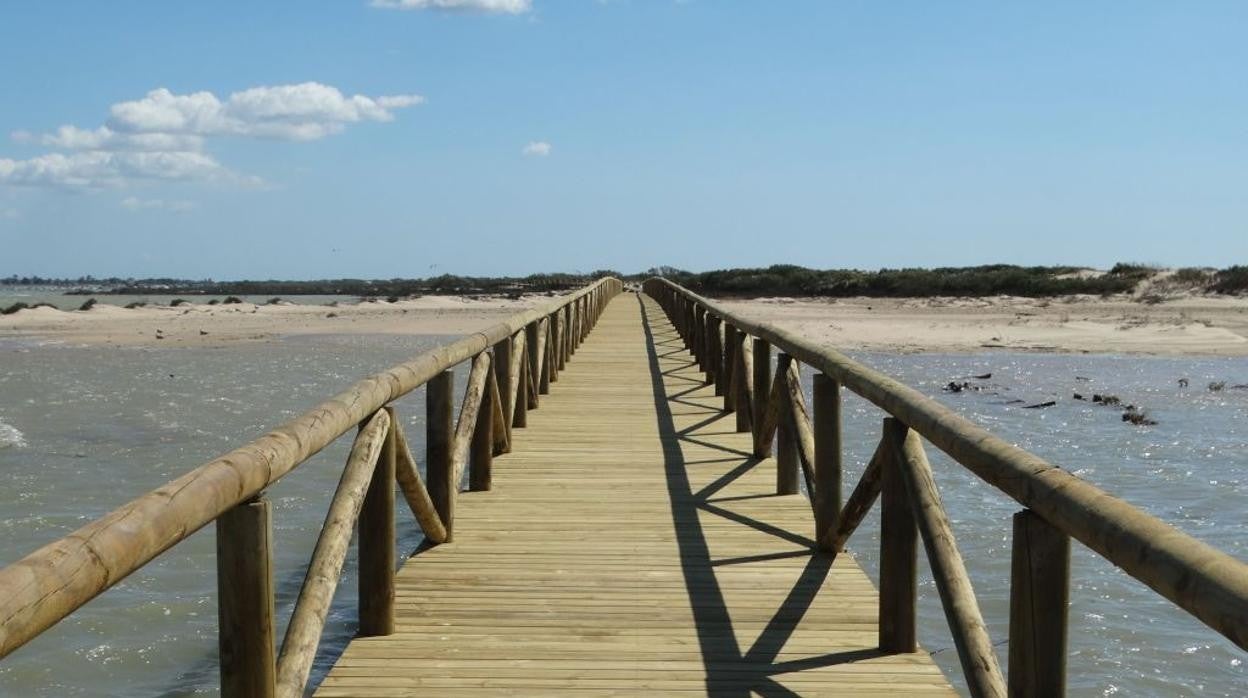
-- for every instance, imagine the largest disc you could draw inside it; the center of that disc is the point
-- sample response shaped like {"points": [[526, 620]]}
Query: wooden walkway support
{"points": [[631, 544], [630, 532]]}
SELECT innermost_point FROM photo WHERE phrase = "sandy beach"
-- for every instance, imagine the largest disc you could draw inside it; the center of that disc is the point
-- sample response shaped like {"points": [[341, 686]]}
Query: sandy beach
{"points": [[1197, 325], [200, 325], [1194, 325]]}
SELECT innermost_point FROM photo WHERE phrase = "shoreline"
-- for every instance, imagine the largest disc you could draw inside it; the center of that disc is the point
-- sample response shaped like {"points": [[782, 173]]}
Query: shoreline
{"points": [[1185, 326], [203, 325]]}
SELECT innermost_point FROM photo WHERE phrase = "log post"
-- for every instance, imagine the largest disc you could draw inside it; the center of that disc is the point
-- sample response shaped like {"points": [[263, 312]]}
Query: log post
{"points": [[376, 542], [699, 330], [439, 444], [502, 376], [1039, 601], [827, 429], [519, 381], [531, 350], [245, 629], [762, 392], [481, 455], [899, 537], [730, 370], [957, 596], [786, 439], [552, 342], [715, 358], [745, 390], [564, 331]]}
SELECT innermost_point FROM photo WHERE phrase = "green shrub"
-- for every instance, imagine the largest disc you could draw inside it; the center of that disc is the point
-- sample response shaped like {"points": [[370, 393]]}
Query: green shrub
{"points": [[274, 300], [232, 300], [14, 308], [1191, 276], [89, 304], [214, 301], [1231, 280], [135, 304], [179, 301], [1132, 269]]}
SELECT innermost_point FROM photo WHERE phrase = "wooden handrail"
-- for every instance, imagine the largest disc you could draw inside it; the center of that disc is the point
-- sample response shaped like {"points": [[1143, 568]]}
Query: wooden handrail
{"points": [[43, 587], [1209, 584]]}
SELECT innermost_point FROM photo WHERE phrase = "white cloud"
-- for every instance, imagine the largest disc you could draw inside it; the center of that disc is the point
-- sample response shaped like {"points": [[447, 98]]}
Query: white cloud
{"points": [[134, 203], [303, 112], [104, 138], [162, 136], [97, 169], [536, 149], [501, 7]]}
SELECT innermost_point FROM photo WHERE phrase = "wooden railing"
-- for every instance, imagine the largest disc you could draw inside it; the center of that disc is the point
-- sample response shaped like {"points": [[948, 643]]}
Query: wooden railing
{"points": [[512, 364], [734, 352]]}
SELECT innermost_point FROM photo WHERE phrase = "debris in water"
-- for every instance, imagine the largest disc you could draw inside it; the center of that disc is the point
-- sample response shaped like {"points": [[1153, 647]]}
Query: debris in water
{"points": [[1038, 405], [1139, 418]]}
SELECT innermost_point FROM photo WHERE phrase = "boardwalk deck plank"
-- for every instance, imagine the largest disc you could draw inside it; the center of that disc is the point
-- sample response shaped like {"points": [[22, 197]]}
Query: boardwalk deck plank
{"points": [[631, 544]]}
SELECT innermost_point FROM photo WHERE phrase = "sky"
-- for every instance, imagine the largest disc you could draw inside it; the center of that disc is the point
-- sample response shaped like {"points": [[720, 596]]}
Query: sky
{"points": [[408, 138]]}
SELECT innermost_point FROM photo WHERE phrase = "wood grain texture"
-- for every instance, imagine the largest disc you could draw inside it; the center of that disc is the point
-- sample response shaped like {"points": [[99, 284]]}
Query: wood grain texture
{"points": [[1208, 583], [307, 621], [45, 586], [245, 619], [631, 545]]}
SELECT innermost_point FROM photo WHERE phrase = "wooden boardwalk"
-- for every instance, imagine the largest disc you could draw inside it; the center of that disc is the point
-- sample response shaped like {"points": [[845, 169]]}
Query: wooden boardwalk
{"points": [[631, 545]]}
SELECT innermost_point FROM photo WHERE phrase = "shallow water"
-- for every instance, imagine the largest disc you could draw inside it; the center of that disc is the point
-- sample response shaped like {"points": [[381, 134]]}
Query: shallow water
{"points": [[101, 426], [83, 430], [1190, 470]]}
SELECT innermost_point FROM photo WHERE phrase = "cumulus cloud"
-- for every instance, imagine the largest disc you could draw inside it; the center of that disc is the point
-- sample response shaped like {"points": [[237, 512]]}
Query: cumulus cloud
{"points": [[134, 203], [97, 168], [303, 112], [162, 136], [538, 149], [499, 7]]}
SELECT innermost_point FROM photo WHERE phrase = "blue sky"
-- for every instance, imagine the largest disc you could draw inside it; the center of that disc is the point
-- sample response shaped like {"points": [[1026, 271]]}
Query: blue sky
{"points": [[515, 136]]}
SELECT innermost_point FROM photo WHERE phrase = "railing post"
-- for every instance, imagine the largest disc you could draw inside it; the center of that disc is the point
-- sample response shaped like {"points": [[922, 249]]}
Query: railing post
{"points": [[728, 371], [481, 453], [699, 337], [565, 330], [744, 358], [715, 358], [439, 446], [827, 428], [762, 394], [552, 346], [520, 409], [377, 544], [531, 340], [502, 375], [786, 441], [899, 535], [245, 623], [1039, 601]]}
